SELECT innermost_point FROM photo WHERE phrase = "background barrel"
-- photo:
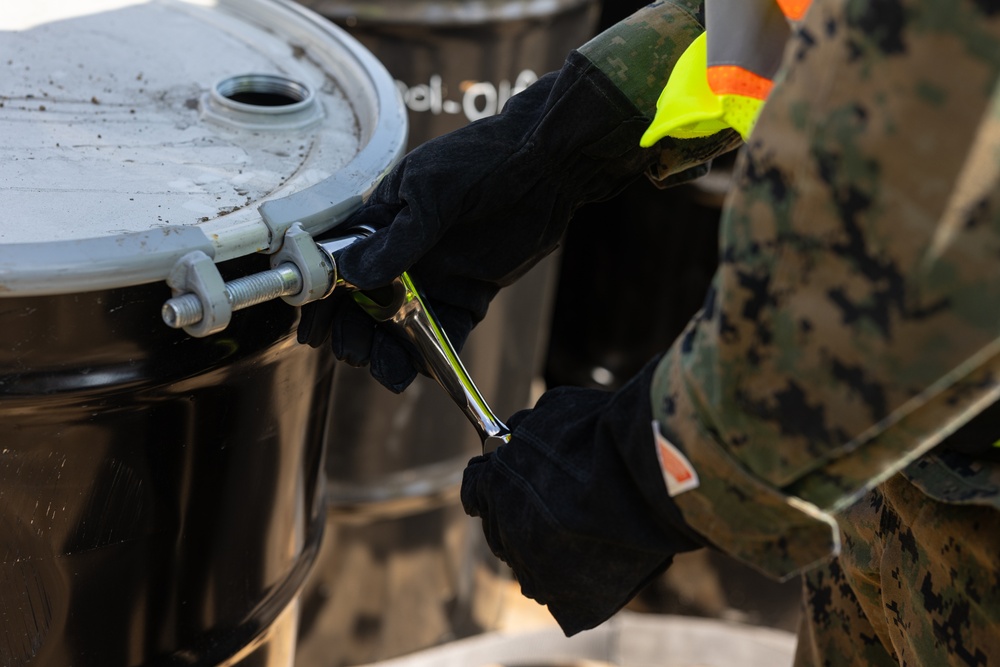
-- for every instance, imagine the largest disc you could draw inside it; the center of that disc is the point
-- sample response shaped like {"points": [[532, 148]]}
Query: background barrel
{"points": [[456, 61]]}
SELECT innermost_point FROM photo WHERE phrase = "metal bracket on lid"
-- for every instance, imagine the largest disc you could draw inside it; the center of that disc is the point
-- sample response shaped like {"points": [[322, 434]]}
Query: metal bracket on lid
{"points": [[195, 273], [318, 273], [315, 209], [203, 304]]}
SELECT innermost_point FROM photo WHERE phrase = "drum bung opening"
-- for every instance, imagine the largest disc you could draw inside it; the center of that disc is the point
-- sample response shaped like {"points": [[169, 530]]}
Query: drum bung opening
{"points": [[263, 90], [262, 101]]}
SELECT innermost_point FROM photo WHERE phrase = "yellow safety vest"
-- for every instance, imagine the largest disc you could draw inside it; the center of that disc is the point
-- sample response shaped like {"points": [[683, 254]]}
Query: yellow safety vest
{"points": [[723, 78]]}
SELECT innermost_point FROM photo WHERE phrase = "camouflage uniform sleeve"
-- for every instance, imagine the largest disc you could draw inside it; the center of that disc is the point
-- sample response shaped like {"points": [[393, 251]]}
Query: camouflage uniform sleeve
{"points": [[638, 54], [853, 320]]}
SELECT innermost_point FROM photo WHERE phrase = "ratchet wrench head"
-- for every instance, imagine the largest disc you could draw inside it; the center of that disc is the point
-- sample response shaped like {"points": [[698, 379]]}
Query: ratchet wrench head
{"points": [[400, 306]]}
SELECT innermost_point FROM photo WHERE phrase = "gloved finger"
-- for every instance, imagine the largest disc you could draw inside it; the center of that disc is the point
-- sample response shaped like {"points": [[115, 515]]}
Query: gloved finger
{"points": [[471, 480], [393, 361], [352, 331], [315, 321], [456, 322], [516, 418], [475, 501], [358, 340], [377, 260]]}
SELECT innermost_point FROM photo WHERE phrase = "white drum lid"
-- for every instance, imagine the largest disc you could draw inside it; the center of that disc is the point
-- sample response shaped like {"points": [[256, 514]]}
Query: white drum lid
{"points": [[135, 132]]}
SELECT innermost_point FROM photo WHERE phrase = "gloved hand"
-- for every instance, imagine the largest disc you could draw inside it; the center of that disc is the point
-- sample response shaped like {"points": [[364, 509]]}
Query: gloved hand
{"points": [[470, 212], [575, 503]]}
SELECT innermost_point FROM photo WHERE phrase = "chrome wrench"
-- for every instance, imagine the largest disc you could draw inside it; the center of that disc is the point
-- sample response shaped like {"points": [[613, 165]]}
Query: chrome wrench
{"points": [[399, 306]]}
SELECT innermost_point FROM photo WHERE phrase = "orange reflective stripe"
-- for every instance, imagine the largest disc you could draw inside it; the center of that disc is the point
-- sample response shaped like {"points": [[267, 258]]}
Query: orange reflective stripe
{"points": [[794, 9], [733, 80]]}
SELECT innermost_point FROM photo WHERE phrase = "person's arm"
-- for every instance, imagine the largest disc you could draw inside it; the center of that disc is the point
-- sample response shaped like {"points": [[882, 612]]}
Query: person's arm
{"points": [[472, 211], [853, 322], [637, 55]]}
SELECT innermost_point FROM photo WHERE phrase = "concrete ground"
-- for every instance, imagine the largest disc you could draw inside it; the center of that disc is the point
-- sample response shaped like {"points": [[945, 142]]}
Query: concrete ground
{"points": [[629, 639], [707, 611]]}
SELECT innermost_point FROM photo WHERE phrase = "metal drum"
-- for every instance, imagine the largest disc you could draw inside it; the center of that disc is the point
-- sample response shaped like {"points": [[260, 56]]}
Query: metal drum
{"points": [[161, 490]]}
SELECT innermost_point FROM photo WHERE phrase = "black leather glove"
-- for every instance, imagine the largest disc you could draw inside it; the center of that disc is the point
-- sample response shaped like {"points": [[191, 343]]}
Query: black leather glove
{"points": [[470, 212], [575, 503]]}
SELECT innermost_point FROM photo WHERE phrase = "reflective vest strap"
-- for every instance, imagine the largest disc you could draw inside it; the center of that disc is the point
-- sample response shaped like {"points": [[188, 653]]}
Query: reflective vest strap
{"points": [[707, 91], [794, 10], [735, 80]]}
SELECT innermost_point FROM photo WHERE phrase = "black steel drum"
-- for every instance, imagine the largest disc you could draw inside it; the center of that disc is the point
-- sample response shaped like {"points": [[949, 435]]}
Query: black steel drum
{"points": [[161, 491]]}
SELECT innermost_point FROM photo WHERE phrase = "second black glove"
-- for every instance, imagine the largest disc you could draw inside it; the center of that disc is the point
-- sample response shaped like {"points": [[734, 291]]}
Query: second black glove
{"points": [[575, 503]]}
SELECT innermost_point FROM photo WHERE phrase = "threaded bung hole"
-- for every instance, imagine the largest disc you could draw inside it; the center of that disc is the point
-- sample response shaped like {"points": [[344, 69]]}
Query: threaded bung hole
{"points": [[261, 101], [263, 90]]}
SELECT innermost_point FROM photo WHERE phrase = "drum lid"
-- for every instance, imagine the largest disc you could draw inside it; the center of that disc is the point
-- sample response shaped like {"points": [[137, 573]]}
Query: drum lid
{"points": [[136, 132]]}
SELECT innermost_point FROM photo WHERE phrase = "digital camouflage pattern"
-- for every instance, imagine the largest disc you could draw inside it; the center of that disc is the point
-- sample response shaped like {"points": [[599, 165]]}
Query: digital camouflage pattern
{"points": [[854, 324], [916, 584], [638, 54]]}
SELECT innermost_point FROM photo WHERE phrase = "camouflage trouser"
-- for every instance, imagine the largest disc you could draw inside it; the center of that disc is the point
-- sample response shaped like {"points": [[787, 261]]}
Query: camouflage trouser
{"points": [[917, 583]]}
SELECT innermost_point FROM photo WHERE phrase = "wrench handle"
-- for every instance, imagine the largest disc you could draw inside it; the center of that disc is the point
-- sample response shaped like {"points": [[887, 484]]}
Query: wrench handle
{"points": [[411, 317]]}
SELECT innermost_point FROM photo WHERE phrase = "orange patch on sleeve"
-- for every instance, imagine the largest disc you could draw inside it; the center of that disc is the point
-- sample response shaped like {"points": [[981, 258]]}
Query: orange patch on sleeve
{"points": [[673, 465], [678, 473]]}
